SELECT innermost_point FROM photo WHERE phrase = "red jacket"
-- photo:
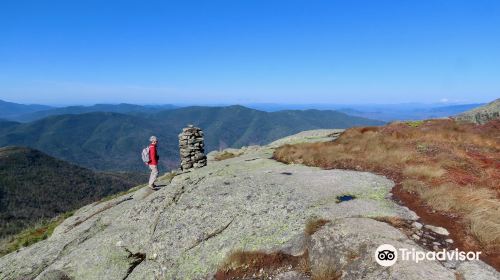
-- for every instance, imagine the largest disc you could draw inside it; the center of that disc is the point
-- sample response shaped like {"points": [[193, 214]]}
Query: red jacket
{"points": [[153, 155]]}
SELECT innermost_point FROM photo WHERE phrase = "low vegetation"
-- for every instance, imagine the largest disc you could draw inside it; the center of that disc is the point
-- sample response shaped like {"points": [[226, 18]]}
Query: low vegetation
{"points": [[414, 123], [32, 235], [313, 225], [453, 168], [225, 155], [326, 272], [246, 264]]}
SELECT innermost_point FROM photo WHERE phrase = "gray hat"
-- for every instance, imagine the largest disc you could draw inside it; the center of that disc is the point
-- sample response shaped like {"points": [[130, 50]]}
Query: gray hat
{"points": [[153, 138]]}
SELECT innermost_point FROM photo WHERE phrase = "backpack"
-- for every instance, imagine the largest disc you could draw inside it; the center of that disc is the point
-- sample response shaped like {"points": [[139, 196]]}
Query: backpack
{"points": [[145, 155]]}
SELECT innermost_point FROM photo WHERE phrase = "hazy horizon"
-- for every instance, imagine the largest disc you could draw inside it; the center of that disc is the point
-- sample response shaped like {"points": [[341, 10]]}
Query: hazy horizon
{"points": [[284, 104]]}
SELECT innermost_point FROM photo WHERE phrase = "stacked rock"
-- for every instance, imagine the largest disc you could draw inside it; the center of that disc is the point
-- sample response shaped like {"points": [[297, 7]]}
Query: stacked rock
{"points": [[192, 148]]}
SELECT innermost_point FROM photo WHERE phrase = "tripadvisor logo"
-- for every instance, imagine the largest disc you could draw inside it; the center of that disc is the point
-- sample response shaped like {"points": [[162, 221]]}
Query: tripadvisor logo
{"points": [[387, 255]]}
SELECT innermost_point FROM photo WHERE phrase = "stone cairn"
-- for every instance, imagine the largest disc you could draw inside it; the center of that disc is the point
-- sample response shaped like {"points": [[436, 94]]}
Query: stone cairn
{"points": [[192, 148]]}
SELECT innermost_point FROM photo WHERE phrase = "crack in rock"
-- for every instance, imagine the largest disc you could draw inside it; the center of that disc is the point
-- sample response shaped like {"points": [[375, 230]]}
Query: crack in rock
{"points": [[178, 195], [104, 208], [123, 200], [136, 259], [210, 235], [175, 199], [84, 236]]}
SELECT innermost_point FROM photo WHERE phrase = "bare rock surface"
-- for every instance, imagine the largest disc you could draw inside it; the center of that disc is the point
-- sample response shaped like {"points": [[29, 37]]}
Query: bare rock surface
{"points": [[438, 230], [309, 136], [477, 270], [249, 202], [483, 114], [348, 245]]}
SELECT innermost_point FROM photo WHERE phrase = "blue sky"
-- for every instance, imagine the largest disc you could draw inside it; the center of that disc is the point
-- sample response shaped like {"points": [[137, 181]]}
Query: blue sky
{"points": [[202, 52]]}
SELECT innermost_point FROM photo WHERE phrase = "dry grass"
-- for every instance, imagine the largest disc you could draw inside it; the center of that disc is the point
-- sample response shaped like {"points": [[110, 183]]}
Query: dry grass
{"points": [[326, 272], [399, 223], [313, 225], [304, 266], [451, 166], [413, 186], [225, 155], [479, 207], [240, 258], [425, 172], [394, 221], [241, 264]]}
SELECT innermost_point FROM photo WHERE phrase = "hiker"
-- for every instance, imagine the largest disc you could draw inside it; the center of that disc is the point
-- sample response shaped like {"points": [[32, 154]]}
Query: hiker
{"points": [[153, 161]]}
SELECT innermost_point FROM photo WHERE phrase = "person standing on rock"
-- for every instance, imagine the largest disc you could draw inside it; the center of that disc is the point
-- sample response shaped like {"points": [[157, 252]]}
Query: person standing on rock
{"points": [[153, 161]]}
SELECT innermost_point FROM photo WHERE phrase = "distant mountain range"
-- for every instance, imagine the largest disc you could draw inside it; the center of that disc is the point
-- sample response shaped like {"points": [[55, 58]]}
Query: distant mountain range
{"points": [[388, 112], [35, 186], [12, 111], [113, 141], [393, 113], [36, 113], [110, 137], [384, 112]]}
